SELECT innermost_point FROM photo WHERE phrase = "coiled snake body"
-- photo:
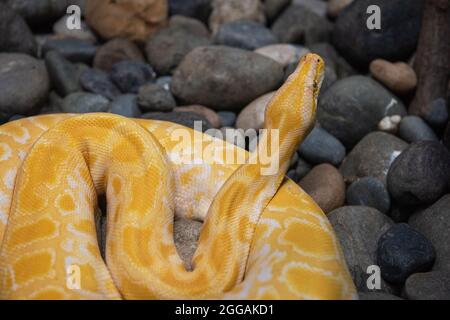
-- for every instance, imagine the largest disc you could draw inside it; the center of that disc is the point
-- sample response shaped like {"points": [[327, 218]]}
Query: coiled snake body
{"points": [[263, 237]]}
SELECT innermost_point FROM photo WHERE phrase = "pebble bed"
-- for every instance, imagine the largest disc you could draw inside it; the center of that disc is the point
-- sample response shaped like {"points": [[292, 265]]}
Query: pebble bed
{"points": [[380, 174]]}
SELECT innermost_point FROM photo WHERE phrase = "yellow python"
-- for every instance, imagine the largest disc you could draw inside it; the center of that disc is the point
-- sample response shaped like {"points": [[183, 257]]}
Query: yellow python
{"points": [[263, 237]]}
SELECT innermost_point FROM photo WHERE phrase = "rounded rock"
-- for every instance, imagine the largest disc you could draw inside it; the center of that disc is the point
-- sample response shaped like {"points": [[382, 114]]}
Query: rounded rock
{"points": [[321, 147], [284, 54], [167, 48], [248, 35], [213, 76], [212, 117], [129, 75], [428, 286], [98, 82], [187, 119], [414, 129], [252, 116], [153, 97], [81, 102], [125, 105], [395, 41], [353, 107], [398, 77], [325, 185], [369, 192], [24, 84], [403, 251], [227, 118], [420, 175], [63, 74]]}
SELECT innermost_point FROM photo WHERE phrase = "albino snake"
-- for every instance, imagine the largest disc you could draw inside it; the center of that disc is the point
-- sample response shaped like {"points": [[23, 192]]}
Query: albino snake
{"points": [[262, 238]]}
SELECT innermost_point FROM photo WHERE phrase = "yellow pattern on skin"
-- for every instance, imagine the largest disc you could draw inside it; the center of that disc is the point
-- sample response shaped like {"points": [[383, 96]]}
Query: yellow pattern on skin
{"points": [[263, 237]]}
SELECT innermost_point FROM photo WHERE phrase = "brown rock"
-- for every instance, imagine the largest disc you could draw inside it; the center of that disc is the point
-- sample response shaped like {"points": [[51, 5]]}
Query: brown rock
{"points": [[326, 186], [232, 10], [131, 19], [115, 51], [208, 113], [398, 77]]}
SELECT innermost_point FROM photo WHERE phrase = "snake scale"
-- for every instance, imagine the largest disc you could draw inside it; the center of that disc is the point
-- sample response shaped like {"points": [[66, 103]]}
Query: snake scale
{"points": [[263, 237]]}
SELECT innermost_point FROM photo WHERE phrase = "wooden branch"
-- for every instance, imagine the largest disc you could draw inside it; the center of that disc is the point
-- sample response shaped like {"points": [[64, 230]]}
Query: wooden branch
{"points": [[432, 62]]}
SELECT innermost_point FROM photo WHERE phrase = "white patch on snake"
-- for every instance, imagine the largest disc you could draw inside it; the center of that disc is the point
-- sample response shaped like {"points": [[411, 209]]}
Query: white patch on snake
{"points": [[4, 204], [9, 178], [6, 151]]}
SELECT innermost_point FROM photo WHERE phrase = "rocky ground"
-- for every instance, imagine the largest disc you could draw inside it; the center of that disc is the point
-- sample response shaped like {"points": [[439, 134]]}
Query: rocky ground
{"points": [[380, 174]]}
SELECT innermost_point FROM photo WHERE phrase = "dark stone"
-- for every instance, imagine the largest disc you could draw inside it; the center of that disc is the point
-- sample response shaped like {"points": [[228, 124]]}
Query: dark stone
{"points": [[227, 118], [302, 169], [24, 84], [298, 24], [164, 82], [75, 50], [403, 251], [125, 105], [358, 230], [372, 157], [321, 147], [63, 74], [273, 8], [437, 114], [244, 34], [198, 9], [333, 60], [395, 41], [420, 175], [15, 35], [167, 48], [82, 102], [42, 12], [414, 129], [428, 286], [129, 75], [97, 81], [369, 192], [153, 97], [354, 106], [186, 119], [434, 223], [214, 76]]}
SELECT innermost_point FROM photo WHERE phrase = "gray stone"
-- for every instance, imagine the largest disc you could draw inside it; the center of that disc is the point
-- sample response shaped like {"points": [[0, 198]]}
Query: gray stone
{"points": [[413, 129], [372, 156], [369, 192], [428, 286], [321, 147], [403, 251], [82, 102], [24, 84], [74, 50], [125, 105], [244, 34], [353, 107], [302, 169], [167, 48], [98, 81], [198, 9], [420, 175], [15, 35], [434, 223], [129, 75], [227, 118], [437, 114], [214, 76], [63, 74], [274, 7], [358, 230], [153, 97], [298, 24], [395, 41]]}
